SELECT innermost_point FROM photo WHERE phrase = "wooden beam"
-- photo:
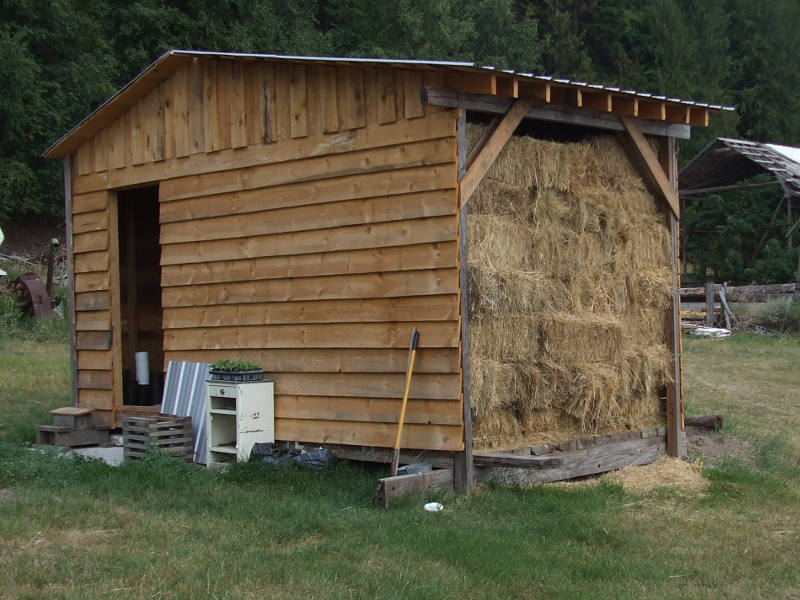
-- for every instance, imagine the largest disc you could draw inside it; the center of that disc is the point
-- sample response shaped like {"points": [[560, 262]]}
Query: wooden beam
{"points": [[462, 462], [647, 162], [392, 488], [699, 117], [73, 354], [472, 83], [501, 459], [576, 463], [538, 90], [599, 101], [656, 111], [508, 87], [676, 436], [489, 153], [463, 470], [556, 114], [116, 308], [626, 105]]}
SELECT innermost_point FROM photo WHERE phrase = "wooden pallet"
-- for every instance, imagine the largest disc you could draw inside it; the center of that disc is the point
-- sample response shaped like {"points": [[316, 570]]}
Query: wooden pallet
{"points": [[172, 435]]}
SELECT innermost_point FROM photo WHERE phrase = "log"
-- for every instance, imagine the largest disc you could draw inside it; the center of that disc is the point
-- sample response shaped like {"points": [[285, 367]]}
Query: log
{"points": [[741, 293], [704, 421]]}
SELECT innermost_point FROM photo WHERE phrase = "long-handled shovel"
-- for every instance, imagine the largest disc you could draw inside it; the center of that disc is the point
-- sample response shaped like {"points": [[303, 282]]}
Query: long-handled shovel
{"points": [[412, 355]]}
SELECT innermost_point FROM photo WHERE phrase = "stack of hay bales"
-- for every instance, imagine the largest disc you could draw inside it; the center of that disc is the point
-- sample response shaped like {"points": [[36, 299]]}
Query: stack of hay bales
{"points": [[570, 280]]}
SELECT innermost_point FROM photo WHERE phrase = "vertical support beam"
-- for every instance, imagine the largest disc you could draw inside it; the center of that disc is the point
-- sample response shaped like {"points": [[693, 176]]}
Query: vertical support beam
{"points": [[789, 222], [116, 310], [463, 472], [709, 322], [684, 253], [73, 354], [676, 435]]}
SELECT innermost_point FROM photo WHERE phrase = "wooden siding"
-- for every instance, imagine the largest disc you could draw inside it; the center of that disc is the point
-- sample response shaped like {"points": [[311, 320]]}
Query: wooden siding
{"points": [[308, 221]]}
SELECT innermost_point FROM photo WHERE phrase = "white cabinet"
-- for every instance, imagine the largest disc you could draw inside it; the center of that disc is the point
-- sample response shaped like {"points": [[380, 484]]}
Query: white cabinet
{"points": [[237, 416]]}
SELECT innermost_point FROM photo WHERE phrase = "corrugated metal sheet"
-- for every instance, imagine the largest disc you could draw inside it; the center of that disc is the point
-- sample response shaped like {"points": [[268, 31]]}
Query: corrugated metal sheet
{"points": [[726, 161], [185, 396]]}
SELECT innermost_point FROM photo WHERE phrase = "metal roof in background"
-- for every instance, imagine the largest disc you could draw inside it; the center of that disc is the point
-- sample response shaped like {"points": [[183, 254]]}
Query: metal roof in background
{"points": [[725, 162]]}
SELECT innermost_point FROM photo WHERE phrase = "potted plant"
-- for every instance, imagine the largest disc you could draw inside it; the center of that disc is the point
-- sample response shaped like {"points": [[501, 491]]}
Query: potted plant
{"points": [[236, 370]]}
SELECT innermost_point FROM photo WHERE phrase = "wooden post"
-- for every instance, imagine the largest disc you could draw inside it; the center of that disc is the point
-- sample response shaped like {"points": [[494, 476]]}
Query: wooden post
{"points": [[463, 473], [117, 398], [709, 322], [676, 436], [73, 354]]}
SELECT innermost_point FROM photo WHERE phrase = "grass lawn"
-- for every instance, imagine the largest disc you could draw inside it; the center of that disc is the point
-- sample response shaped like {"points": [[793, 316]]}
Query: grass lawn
{"points": [[163, 529]]}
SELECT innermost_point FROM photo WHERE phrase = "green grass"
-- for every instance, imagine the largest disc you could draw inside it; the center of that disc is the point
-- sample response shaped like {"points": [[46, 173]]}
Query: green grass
{"points": [[754, 381], [164, 529]]}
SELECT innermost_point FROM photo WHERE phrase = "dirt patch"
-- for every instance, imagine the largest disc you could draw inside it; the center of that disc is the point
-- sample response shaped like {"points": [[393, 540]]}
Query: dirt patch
{"points": [[4, 493], [29, 237], [713, 447]]}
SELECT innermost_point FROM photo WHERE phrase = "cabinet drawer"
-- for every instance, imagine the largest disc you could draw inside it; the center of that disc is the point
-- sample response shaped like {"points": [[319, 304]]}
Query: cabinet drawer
{"points": [[224, 391]]}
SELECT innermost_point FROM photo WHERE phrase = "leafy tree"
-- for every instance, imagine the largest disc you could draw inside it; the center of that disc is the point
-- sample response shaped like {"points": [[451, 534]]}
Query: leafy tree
{"points": [[723, 235]]}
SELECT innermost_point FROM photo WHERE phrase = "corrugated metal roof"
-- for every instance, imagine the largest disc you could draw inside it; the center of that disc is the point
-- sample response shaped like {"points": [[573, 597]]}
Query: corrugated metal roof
{"points": [[171, 60], [727, 161], [476, 67]]}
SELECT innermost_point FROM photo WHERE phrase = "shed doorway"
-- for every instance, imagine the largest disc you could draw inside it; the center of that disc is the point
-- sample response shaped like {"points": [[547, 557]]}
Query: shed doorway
{"points": [[140, 296]]}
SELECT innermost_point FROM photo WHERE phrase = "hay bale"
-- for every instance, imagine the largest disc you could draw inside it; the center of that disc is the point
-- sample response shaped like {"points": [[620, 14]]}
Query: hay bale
{"points": [[570, 276]]}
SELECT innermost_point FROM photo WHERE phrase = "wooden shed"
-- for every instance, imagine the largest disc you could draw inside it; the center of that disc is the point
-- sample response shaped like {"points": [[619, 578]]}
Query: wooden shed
{"points": [[305, 213]]}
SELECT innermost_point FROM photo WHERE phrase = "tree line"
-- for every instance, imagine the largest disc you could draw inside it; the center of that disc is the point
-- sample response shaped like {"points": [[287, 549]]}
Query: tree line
{"points": [[62, 58]]}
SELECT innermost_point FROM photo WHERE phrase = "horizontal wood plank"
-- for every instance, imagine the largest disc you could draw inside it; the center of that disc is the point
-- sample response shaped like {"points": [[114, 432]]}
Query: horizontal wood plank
{"points": [[433, 334], [90, 221], [92, 301], [87, 262], [93, 340], [95, 399], [367, 185], [370, 260], [94, 359], [330, 214], [94, 380], [98, 320], [90, 242], [413, 308], [367, 285], [324, 360], [353, 237], [89, 202], [424, 386], [435, 125], [92, 282], [429, 152], [392, 488], [370, 410], [430, 437]]}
